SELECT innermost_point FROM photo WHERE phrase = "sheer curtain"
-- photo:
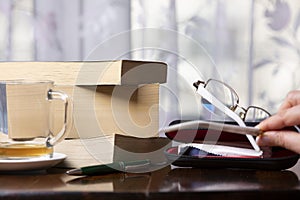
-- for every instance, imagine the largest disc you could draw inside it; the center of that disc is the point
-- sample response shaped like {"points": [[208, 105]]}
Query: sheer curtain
{"points": [[251, 45]]}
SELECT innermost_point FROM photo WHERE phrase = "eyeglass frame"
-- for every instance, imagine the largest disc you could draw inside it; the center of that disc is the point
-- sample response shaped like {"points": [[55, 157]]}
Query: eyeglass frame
{"points": [[234, 107], [204, 93]]}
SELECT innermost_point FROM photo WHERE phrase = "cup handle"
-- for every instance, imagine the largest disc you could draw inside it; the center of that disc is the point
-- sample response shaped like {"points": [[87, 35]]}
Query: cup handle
{"points": [[57, 95]]}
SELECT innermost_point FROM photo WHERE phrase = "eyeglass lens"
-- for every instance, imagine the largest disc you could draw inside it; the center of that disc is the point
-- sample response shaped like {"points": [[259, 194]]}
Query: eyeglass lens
{"points": [[222, 93], [230, 99], [255, 114]]}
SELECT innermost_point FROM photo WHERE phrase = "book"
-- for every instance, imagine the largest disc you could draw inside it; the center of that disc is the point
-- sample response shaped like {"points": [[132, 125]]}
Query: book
{"points": [[86, 152], [108, 149], [118, 72], [106, 110]]}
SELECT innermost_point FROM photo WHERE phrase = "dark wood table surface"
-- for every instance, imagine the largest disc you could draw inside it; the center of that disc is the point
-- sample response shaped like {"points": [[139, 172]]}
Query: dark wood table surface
{"points": [[166, 183]]}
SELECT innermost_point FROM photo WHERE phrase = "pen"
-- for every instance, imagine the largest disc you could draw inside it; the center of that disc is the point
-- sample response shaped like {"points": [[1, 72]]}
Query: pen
{"points": [[131, 166]]}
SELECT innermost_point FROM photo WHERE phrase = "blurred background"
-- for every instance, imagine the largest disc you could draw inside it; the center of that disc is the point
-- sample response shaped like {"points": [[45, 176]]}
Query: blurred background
{"points": [[252, 45]]}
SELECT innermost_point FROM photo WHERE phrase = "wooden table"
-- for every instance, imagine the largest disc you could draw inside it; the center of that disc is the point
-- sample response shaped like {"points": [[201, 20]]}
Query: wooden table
{"points": [[166, 183]]}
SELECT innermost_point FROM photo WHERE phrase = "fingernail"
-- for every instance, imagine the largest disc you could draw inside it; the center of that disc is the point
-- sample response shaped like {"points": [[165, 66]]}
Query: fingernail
{"points": [[262, 140], [258, 139]]}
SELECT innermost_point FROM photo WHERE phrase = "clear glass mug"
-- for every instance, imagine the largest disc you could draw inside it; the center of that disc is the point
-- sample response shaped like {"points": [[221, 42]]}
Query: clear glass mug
{"points": [[25, 118]]}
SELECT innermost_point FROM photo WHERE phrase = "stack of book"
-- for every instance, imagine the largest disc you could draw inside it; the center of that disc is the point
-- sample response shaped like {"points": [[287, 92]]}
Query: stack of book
{"points": [[109, 97]]}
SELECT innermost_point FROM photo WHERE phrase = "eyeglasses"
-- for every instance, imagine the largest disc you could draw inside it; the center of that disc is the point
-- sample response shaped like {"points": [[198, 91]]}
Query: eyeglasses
{"points": [[230, 99], [220, 98]]}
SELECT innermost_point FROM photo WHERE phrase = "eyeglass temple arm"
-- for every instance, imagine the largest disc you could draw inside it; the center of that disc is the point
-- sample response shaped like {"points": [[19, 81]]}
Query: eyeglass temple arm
{"points": [[214, 101]]}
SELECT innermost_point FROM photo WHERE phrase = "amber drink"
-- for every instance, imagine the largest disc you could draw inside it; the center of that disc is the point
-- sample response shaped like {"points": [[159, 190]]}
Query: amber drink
{"points": [[25, 118]]}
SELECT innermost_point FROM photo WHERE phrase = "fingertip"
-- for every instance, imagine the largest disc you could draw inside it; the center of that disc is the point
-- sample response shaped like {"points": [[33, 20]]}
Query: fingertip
{"points": [[286, 139], [265, 139], [257, 139], [266, 124], [258, 126], [261, 126], [261, 140]]}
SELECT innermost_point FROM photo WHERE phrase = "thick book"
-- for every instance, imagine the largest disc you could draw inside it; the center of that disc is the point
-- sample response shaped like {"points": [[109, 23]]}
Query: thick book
{"points": [[118, 72], [106, 110], [97, 111]]}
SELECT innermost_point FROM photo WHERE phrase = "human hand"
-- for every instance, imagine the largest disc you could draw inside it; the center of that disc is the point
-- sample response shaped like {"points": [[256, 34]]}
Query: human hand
{"points": [[288, 115]]}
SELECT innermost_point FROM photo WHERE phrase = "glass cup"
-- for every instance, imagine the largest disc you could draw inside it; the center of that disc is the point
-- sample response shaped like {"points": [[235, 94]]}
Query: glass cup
{"points": [[25, 118]]}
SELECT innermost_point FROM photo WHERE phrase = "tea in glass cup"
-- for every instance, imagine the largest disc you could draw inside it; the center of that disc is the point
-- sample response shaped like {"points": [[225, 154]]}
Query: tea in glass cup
{"points": [[25, 114]]}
